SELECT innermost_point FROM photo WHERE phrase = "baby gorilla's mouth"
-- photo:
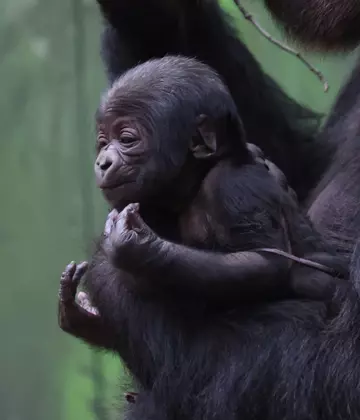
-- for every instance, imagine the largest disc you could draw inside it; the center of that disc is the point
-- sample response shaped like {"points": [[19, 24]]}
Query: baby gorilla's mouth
{"points": [[120, 194], [109, 187]]}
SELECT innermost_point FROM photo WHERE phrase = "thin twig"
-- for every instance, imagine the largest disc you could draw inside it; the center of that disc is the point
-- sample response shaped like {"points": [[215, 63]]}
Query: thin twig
{"points": [[282, 46]]}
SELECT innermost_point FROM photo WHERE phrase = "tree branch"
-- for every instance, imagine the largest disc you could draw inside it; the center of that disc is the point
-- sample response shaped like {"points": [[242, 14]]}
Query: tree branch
{"points": [[282, 46]]}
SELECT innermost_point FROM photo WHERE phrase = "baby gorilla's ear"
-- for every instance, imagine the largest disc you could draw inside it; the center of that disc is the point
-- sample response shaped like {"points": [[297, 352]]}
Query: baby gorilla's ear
{"points": [[214, 139], [204, 143]]}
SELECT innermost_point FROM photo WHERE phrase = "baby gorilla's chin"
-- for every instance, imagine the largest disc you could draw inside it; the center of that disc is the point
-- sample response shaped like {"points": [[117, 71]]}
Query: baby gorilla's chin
{"points": [[119, 197]]}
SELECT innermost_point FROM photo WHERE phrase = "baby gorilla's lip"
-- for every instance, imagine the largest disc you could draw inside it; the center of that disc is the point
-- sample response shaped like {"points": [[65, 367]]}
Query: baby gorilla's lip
{"points": [[112, 186], [108, 187]]}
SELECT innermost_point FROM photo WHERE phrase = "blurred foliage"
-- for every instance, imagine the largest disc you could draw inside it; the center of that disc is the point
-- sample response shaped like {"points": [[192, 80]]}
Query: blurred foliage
{"points": [[51, 79]]}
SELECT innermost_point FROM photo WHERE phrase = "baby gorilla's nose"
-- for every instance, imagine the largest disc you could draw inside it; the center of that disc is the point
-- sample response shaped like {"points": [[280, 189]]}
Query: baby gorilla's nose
{"points": [[104, 162], [106, 167]]}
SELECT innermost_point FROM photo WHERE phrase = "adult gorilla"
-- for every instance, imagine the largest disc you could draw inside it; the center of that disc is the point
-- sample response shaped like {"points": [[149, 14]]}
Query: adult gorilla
{"points": [[189, 286], [293, 359]]}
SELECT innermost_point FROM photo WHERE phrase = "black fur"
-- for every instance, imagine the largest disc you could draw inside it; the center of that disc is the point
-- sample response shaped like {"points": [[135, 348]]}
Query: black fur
{"points": [[194, 359], [334, 205], [325, 25], [287, 360]]}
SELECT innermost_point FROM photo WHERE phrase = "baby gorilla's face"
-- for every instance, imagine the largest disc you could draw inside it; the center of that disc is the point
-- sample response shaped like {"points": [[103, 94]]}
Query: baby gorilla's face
{"points": [[160, 127], [132, 164], [122, 155]]}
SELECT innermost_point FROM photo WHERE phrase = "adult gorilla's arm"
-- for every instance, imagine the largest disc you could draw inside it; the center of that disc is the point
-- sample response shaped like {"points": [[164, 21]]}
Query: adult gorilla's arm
{"points": [[136, 31], [334, 207], [326, 24]]}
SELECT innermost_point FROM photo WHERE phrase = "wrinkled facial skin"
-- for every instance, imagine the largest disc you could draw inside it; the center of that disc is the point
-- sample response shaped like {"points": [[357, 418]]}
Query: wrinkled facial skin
{"points": [[122, 153]]}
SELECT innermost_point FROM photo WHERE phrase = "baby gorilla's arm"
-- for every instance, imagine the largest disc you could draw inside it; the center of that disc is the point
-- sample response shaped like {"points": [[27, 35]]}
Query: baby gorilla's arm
{"points": [[133, 246]]}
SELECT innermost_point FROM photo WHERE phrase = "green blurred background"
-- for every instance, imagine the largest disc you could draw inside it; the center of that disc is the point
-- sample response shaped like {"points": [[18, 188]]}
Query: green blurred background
{"points": [[51, 78]]}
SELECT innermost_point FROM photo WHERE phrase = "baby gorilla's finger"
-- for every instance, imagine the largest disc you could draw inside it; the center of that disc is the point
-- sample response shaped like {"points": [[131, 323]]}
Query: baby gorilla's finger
{"points": [[108, 227], [67, 290], [82, 299], [133, 207], [69, 271], [135, 220], [85, 303], [110, 222], [79, 272], [124, 221]]}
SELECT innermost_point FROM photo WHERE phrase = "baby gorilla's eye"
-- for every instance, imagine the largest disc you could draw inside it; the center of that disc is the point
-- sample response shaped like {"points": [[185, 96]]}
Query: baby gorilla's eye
{"points": [[128, 136], [101, 142], [127, 139]]}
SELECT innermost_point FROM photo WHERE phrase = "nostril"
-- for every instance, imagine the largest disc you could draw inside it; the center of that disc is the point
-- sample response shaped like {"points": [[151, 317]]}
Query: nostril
{"points": [[104, 164]]}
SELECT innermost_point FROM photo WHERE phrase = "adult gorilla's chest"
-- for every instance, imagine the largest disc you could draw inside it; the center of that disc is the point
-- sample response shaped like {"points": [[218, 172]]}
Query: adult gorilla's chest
{"points": [[247, 363]]}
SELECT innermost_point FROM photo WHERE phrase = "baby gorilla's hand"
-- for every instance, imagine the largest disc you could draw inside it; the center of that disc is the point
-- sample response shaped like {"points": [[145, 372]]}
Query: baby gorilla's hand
{"points": [[75, 312], [129, 241]]}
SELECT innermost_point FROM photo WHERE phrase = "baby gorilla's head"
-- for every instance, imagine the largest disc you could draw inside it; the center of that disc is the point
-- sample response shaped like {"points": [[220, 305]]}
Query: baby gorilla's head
{"points": [[163, 121]]}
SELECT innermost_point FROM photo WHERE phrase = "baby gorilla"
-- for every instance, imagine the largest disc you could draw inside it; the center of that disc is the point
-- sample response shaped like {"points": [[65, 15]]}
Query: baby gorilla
{"points": [[198, 215]]}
